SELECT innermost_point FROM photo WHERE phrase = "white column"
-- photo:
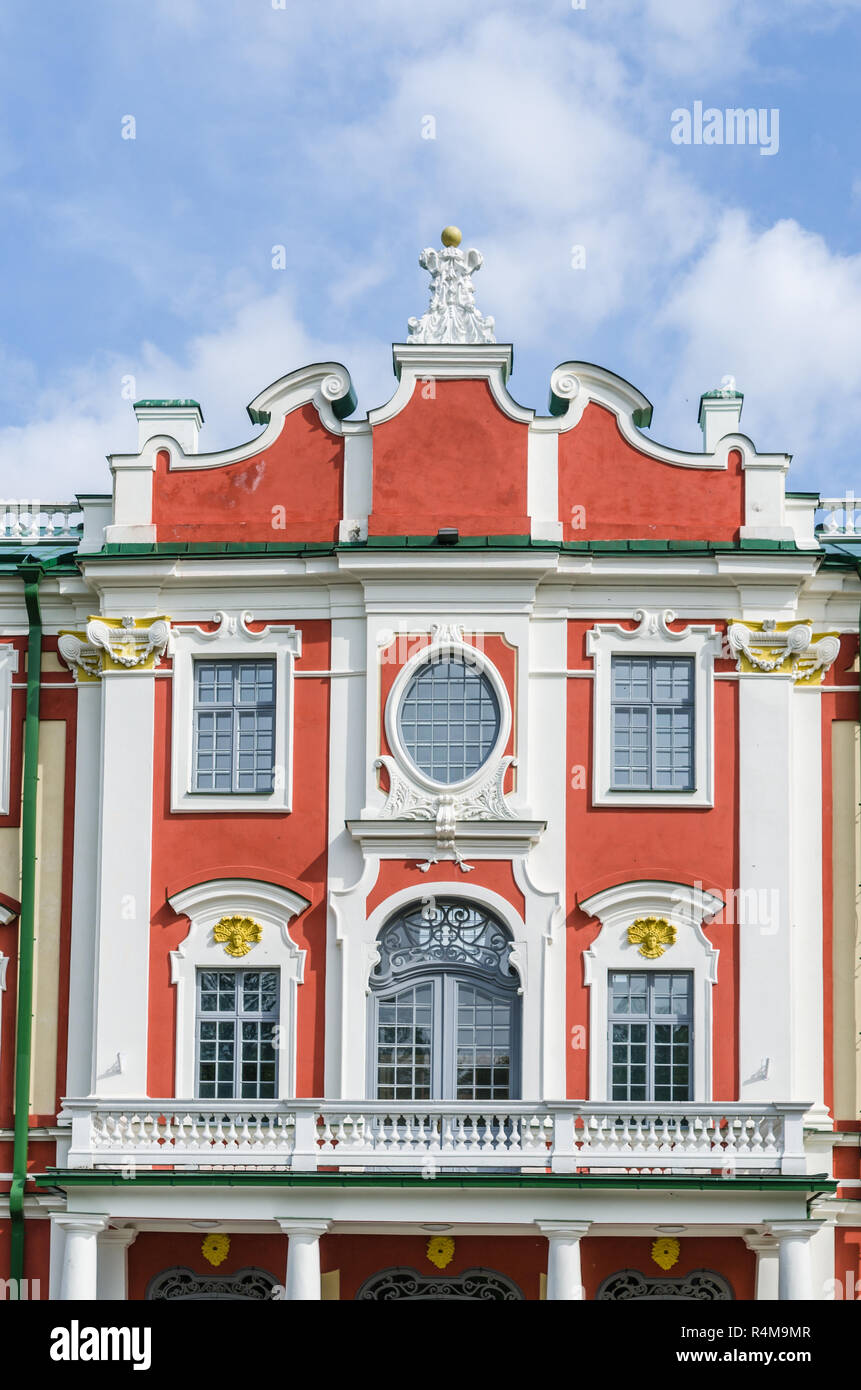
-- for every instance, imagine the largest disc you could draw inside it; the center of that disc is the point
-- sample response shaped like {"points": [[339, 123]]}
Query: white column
{"points": [[808, 984], [113, 1276], [564, 1279], [795, 1276], [125, 851], [80, 1256], [762, 908], [303, 1257], [766, 1250]]}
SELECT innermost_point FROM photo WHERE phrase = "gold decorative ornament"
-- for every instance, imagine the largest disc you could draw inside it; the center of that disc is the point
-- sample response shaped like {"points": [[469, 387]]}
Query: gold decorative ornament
{"points": [[440, 1251], [665, 1252], [215, 1248], [652, 935], [239, 934], [451, 236]]}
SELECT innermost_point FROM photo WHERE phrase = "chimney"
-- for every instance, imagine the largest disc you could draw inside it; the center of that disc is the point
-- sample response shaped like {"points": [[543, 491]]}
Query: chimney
{"points": [[180, 419], [720, 412]]}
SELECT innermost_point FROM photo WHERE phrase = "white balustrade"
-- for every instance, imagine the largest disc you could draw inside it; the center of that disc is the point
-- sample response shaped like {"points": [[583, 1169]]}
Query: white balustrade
{"points": [[560, 1136], [31, 520], [842, 516]]}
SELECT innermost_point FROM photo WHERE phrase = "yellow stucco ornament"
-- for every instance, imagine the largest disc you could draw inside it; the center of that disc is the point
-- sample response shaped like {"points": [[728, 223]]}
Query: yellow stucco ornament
{"points": [[451, 236], [665, 1252], [653, 935], [239, 934], [215, 1248], [440, 1251]]}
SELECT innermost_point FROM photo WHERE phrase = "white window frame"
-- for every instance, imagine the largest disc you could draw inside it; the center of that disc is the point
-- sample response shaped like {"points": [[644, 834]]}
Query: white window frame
{"points": [[447, 641], [233, 640], [617, 909], [8, 668], [273, 908], [653, 637]]}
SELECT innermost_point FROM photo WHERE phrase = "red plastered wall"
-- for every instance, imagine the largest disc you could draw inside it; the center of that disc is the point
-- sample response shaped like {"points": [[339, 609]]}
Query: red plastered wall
{"points": [[724, 1255], [627, 495], [607, 845], [153, 1252], [522, 1259], [302, 471], [451, 458], [293, 844]]}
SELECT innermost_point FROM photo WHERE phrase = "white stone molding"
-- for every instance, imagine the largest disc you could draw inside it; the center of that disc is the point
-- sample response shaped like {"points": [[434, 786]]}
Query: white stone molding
{"points": [[112, 1284], [83, 658], [653, 637], [8, 667], [413, 796], [417, 363], [357, 933], [452, 316], [272, 907], [232, 640], [130, 645], [790, 650], [617, 908]]}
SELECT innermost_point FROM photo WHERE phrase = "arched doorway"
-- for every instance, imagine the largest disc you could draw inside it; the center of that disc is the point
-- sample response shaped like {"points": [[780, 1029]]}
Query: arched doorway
{"points": [[255, 1284], [701, 1285], [486, 1285], [445, 1016]]}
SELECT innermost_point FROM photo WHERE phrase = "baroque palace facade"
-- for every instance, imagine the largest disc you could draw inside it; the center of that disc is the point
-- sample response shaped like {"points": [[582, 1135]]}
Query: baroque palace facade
{"points": [[429, 853]]}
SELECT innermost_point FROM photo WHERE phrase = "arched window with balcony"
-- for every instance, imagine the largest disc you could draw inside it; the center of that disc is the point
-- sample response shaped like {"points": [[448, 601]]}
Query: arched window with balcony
{"points": [[445, 1016]]}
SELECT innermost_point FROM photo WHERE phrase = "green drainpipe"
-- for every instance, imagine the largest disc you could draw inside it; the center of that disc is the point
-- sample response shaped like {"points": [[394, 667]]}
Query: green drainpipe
{"points": [[31, 575]]}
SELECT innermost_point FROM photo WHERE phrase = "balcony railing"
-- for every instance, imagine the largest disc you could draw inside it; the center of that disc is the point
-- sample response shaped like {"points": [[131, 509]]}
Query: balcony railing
{"points": [[430, 1137], [40, 521]]}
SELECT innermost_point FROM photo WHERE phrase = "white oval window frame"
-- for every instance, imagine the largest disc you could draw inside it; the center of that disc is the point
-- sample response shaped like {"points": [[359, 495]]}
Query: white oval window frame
{"points": [[473, 656]]}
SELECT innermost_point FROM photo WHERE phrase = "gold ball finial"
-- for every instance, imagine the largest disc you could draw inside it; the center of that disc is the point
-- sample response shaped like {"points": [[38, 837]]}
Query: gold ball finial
{"points": [[451, 236]]}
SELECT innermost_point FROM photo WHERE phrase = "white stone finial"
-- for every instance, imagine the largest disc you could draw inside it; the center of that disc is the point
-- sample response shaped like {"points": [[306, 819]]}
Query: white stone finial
{"points": [[452, 316]]}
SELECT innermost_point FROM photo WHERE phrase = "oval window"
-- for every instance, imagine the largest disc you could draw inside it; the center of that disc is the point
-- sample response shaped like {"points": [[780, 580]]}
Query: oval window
{"points": [[449, 719]]}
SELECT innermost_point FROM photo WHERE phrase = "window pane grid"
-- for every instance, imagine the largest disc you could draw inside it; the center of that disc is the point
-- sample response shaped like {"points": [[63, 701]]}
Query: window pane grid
{"points": [[237, 1012], [483, 1063], [650, 1036], [404, 1044], [652, 723], [234, 726], [449, 719]]}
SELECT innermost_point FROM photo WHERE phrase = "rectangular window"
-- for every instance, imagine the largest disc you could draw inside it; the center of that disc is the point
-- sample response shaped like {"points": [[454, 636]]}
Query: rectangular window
{"points": [[651, 1035], [234, 726], [653, 723], [237, 1014]]}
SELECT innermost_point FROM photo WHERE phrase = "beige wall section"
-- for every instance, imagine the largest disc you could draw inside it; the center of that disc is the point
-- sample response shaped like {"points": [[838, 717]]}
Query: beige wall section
{"points": [[10, 862], [49, 885], [330, 1285], [846, 773]]}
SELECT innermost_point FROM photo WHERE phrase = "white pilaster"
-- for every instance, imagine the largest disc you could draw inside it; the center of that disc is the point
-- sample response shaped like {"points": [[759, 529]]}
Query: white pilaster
{"points": [[82, 965], [80, 1256], [303, 1257], [113, 1264], [564, 1277], [123, 901], [766, 1250], [762, 905], [795, 1278]]}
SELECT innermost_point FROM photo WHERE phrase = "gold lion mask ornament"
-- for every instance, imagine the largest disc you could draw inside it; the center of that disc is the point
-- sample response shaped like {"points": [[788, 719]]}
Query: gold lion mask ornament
{"points": [[440, 1251]]}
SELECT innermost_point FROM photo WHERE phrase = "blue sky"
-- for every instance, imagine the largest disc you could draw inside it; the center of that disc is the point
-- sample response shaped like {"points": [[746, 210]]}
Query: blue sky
{"points": [[301, 126]]}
